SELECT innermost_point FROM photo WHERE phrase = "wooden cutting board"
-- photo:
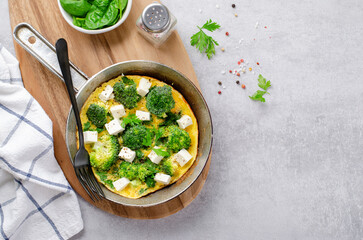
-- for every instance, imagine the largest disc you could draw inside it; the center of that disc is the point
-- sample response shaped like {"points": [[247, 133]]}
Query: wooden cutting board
{"points": [[92, 53]]}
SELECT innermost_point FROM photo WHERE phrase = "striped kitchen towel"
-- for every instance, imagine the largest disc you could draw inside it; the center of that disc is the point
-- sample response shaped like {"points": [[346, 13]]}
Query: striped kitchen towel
{"points": [[36, 201]]}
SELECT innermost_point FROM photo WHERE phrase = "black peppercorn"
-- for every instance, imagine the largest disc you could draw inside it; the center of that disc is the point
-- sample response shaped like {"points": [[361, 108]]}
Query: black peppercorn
{"points": [[233, 5], [219, 83], [237, 82]]}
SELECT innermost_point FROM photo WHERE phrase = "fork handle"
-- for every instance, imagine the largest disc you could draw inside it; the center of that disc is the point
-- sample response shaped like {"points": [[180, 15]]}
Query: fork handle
{"points": [[62, 55]]}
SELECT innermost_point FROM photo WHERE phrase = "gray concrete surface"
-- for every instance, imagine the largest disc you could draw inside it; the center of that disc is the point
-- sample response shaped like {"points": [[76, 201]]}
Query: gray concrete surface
{"points": [[290, 168]]}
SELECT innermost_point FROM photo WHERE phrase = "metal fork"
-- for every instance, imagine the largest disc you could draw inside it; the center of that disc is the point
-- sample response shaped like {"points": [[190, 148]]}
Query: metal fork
{"points": [[81, 162]]}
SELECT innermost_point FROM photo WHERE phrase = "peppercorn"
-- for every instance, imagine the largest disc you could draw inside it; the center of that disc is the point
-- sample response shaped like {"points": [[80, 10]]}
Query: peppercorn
{"points": [[243, 86], [230, 71], [250, 69], [222, 49], [237, 82], [219, 83], [233, 5], [219, 92], [227, 33], [258, 63], [238, 74]]}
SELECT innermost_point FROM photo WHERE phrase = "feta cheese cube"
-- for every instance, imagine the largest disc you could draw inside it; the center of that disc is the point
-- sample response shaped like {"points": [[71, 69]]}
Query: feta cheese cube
{"points": [[90, 137], [182, 157], [154, 157], [121, 183], [143, 116], [118, 111], [184, 121], [114, 127], [162, 178], [127, 154], [144, 86], [105, 95]]}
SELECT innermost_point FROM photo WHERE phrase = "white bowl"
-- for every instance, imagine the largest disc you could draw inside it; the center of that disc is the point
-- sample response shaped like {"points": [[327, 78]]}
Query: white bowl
{"points": [[69, 20]]}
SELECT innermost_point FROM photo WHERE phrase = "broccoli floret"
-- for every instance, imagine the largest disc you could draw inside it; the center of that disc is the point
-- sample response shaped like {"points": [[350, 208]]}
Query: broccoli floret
{"points": [[136, 137], [171, 118], [97, 115], [174, 138], [138, 171], [126, 93], [128, 170], [105, 152], [166, 166], [160, 100], [147, 169]]}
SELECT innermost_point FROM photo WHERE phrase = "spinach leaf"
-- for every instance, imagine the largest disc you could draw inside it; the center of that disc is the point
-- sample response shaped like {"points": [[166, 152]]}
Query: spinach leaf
{"points": [[79, 22], [78, 8], [99, 16], [123, 4]]}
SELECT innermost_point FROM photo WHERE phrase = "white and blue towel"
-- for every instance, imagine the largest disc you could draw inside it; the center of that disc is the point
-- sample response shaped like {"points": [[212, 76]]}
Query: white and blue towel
{"points": [[36, 201]]}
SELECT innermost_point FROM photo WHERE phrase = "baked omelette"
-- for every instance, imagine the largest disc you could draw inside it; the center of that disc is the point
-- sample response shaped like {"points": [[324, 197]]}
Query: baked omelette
{"points": [[141, 135]]}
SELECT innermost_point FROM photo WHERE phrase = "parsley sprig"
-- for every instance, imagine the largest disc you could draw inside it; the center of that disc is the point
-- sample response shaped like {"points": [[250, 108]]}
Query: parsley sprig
{"points": [[262, 83], [203, 42]]}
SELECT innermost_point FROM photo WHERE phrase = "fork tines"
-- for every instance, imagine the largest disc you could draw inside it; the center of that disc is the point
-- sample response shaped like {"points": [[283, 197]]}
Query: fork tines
{"points": [[89, 182]]}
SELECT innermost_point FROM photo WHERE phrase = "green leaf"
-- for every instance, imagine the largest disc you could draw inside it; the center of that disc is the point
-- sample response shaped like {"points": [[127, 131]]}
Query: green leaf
{"points": [[161, 152], [203, 42], [211, 26], [123, 4], [150, 182], [99, 130], [147, 141], [139, 154], [86, 126], [102, 175], [258, 96], [102, 14], [142, 190], [131, 119], [109, 183], [128, 81], [262, 82]]}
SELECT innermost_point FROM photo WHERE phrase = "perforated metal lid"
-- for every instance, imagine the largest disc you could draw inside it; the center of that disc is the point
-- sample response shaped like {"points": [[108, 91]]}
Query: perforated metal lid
{"points": [[155, 17]]}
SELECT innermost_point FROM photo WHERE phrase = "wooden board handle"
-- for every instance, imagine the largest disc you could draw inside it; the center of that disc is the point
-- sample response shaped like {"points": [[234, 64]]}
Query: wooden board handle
{"points": [[33, 42]]}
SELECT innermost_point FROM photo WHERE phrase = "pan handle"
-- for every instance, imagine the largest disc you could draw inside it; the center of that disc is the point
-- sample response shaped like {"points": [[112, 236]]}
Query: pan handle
{"points": [[33, 42]]}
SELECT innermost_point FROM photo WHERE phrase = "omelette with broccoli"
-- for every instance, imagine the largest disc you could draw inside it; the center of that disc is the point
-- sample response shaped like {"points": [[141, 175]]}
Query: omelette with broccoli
{"points": [[140, 133]]}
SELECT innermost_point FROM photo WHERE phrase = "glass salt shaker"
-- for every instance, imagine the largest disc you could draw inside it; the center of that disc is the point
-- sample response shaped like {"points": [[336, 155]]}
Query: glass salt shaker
{"points": [[156, 23]]}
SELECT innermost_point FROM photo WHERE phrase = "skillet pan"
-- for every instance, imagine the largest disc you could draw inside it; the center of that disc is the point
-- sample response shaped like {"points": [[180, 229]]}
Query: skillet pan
{"points": [[44, 52]]}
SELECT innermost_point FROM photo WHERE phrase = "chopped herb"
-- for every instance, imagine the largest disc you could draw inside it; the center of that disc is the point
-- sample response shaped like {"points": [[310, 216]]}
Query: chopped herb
{"points": [[110, 184], [161, 152], [102, 175], [142, 190], [139, 154], [203, 42], [150, 182], [128, 81], [131, 120], [86, 126], [148, 140]]}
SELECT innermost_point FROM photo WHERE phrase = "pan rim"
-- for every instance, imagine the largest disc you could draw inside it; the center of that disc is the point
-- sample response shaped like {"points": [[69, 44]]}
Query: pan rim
{"points": [[209, 117]]}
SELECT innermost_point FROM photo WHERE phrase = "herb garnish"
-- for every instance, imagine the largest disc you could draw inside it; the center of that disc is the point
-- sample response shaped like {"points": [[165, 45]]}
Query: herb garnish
{"points": [[262, 83], [203, 42]]}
